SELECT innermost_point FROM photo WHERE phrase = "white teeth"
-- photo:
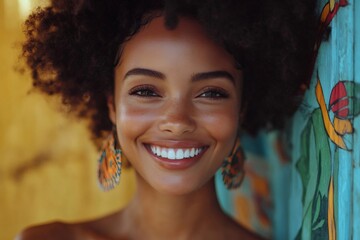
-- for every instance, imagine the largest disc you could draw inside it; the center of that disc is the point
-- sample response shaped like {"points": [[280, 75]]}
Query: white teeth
{"points": [[187, 153], [175, 154], [179, 154], [164, 153], [171, 154], [192, 152], [158, 151]]}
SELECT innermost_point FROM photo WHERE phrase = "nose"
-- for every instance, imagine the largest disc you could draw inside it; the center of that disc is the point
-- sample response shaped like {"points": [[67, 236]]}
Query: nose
{"points": [[177, 118]]}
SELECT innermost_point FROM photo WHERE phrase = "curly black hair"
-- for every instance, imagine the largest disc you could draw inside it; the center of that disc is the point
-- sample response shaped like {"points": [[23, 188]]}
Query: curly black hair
{"points": [[71, 46]]}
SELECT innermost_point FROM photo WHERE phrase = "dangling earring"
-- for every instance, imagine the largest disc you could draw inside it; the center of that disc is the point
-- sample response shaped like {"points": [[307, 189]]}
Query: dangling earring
{"points": [[109, 165], [233, 167]]}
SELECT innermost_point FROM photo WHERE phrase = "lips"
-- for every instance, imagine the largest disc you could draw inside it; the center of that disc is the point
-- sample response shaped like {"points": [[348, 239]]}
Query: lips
{"points": [[176, 156]]}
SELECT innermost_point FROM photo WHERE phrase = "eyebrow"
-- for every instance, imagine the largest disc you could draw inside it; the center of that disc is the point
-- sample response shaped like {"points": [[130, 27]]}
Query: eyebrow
{"points": [[145, 72], [211, 75], [194, 78]]}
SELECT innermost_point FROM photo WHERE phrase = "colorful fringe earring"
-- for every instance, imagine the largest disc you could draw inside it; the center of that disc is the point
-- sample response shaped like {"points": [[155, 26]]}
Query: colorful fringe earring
{"points": [[109, 165], [233, 167]]}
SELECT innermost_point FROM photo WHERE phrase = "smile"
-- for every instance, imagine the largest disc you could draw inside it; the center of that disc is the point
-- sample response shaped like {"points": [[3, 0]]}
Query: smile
{"points": [[175, 153]]}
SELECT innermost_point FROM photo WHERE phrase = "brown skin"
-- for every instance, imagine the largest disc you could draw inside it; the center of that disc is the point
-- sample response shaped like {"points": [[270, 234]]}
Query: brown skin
{"points": [[173, 110], [177, 113]]}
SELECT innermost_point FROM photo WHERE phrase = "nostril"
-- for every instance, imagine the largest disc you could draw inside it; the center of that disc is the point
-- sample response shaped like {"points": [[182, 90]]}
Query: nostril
{"points": [[177, 125], [177, 117]]}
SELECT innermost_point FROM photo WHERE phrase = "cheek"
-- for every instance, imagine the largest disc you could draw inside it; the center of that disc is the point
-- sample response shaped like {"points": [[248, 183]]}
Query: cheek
{"points": [[221, 126], [133, 120], [222, 123]]}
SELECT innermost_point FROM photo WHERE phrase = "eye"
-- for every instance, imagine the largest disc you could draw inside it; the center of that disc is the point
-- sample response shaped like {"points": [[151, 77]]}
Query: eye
{"points": [[214, 93], [144, 91]]}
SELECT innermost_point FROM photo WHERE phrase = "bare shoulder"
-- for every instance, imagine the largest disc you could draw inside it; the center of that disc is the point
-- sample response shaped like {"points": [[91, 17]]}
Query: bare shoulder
{"points": [[51, 231], [106, 227], [103, 228]]}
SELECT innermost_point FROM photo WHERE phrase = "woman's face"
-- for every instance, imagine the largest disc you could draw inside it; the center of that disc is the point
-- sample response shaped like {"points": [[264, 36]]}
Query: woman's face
{"points": [[177, 104]]}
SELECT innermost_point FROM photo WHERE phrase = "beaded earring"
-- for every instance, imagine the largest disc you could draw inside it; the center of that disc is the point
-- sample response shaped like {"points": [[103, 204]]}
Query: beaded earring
{"points": [[233, 167], [110, 162]]}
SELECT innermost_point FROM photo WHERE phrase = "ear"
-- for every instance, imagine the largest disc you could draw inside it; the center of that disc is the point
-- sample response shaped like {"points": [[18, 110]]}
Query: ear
{"points": [[111, 108]]}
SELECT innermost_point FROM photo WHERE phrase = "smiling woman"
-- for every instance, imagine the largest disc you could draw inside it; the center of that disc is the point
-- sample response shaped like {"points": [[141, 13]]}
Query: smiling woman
{"points": [[173, 105], [172, 102]]}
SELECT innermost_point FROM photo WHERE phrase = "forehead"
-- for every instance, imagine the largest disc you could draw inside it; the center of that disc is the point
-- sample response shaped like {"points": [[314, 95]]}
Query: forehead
{"points": [[187, 42]]}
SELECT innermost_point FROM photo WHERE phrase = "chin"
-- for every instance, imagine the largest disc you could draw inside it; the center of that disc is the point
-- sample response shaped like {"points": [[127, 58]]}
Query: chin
{"points": [[177, 186], [175, 190]]}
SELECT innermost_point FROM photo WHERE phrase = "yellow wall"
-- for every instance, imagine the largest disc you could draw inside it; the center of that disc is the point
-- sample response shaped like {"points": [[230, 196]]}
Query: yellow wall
{"points": [[47, 162]]}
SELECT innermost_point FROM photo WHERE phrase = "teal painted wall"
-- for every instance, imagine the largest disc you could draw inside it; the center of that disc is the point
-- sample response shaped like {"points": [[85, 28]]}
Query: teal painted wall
{"points": [[313, 180], [325, 155], [356, 155]]}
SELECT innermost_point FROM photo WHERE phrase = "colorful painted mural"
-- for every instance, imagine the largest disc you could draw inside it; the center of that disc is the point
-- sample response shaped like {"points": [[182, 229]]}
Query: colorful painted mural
{"points": [[318, 162], [328, 12], [306, 191]]}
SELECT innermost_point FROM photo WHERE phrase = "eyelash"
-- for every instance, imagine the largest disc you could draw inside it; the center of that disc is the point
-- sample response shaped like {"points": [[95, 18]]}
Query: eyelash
{"points": [[218, 92], [150, 91], [144, 91]]}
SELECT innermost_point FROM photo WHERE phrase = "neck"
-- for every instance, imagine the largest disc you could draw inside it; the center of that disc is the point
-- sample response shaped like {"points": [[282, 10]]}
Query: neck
{"points": [[163, 216]]}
